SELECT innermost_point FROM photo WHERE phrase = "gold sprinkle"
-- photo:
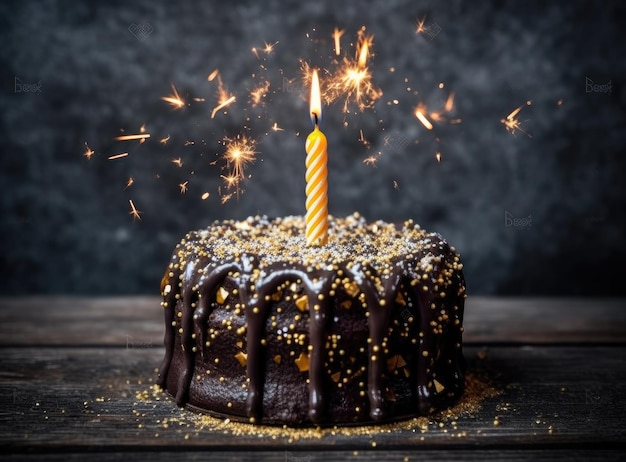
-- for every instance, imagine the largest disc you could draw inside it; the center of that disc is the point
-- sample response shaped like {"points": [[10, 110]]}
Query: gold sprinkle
{"points": [[351, 288], [277, 359], [395, 362]]}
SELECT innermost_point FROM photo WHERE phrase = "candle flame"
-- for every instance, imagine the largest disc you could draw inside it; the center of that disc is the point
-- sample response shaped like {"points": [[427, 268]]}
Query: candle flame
{"points": [[222, 106], [315, 105]]}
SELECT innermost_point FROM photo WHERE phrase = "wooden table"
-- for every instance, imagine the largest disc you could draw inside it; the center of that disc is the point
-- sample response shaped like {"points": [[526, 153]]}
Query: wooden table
{"points": [[76, 375]]}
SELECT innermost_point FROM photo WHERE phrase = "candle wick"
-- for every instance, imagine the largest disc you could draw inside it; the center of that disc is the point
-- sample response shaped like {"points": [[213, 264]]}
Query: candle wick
{"points": [[315, 115]]}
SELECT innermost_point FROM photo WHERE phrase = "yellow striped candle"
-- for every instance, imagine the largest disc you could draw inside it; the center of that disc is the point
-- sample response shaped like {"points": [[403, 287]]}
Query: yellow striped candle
{"points": [[316, 174]]}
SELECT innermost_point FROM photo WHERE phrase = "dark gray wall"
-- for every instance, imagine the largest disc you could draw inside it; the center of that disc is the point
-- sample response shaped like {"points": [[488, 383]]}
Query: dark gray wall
{"points": [[65, 221]]}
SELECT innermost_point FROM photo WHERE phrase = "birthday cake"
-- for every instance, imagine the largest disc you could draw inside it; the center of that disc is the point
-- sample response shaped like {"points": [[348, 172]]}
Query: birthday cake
{"points": [[262, 328]]}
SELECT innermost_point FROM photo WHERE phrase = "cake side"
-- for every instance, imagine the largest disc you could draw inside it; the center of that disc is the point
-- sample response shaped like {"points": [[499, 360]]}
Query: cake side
{"points": [[259, 327]]}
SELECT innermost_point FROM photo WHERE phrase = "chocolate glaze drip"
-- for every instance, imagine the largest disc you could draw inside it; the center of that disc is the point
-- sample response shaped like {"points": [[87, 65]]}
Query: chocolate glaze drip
{"points": [[192, 286]]}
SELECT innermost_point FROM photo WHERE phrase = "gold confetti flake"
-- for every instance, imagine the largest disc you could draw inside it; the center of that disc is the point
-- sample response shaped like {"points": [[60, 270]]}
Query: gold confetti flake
{"points": [[395, 362], [303, 303], [222, 295], [438, 386], [242, 358], [302, 362]]}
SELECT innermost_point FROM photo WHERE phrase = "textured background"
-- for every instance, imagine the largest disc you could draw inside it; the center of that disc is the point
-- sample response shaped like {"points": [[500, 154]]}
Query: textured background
{"points": [[65, 223]]}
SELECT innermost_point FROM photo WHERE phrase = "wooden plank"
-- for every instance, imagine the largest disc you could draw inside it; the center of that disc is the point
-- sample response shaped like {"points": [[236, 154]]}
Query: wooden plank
{"points": [[287, 455], [545, 320], [118, 321], [60, 320], [74, 399]]}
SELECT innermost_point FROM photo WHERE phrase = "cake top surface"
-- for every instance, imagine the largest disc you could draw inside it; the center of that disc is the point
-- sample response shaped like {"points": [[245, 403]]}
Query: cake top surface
{"points": [[284, 240]]}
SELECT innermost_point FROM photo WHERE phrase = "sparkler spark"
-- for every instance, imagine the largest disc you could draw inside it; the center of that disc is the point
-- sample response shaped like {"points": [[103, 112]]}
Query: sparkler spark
{"points": [[174, 99], [117, 156], [420, 25], [258, 93], [130, 182], [88, 151], [425, 117], [164, 141], [226, 198], [183, 187], [353, 81], [337, 38], [133, 210], [178, 162], [223, 97], [212, 75], [511, 123], [422, 118], [371, 160], [240, 151], [449, 102], [276, 128], [362, 140], [269, 47], [142, 137]]}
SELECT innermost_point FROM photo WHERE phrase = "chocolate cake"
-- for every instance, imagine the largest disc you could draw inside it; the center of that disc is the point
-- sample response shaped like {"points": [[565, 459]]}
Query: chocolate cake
{"points": [[261, 327]]}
